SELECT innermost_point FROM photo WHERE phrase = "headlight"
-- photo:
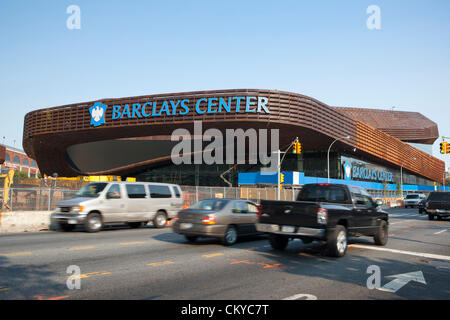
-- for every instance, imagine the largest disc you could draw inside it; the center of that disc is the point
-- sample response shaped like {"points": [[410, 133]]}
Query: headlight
{"points": [[78, 209]]}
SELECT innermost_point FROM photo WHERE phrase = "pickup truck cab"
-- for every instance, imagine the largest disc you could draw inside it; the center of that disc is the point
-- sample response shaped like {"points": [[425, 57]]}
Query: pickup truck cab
{"points": [[324, 212], [438, 205]]}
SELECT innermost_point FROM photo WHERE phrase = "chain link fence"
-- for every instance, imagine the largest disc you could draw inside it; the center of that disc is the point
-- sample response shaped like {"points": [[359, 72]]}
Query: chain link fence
{"points": [[33, 199], [42, 199], [46, 198], [194, 194]]}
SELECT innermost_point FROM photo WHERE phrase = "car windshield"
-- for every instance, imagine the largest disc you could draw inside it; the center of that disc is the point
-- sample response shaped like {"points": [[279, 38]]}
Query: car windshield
{"points": [[212, 204], [439, 196], [412, 196], [91, 190]]}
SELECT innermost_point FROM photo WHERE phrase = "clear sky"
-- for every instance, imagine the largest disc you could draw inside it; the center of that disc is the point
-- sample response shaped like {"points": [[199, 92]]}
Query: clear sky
{"points": [[322, 49]]}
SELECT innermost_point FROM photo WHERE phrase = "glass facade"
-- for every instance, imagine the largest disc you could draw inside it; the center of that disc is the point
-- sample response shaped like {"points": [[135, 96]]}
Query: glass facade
{"points": [[313, 164]]}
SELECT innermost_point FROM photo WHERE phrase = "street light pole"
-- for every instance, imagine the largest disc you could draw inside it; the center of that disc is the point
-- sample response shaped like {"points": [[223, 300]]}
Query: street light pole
{"points": [[401, 176], [328, 155]]}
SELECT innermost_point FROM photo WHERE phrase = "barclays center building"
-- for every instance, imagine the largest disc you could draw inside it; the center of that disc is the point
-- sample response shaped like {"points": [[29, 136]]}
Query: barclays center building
{"points": [[168, 138]]}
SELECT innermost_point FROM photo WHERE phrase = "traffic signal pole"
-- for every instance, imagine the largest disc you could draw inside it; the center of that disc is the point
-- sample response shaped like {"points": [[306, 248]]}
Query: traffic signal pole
{"points": [[279, 166]]}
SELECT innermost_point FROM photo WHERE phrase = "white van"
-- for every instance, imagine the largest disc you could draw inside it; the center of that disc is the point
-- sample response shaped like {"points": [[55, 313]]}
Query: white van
{"points": [[101, 203]]}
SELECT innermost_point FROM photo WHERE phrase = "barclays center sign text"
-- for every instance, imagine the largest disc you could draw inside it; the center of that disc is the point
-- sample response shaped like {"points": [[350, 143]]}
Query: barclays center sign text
{"points": [[179, 107]]}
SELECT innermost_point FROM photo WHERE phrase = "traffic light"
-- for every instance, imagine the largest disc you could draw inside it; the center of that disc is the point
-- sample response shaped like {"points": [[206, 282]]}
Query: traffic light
{"points": [[297, 148], [445, 147]]}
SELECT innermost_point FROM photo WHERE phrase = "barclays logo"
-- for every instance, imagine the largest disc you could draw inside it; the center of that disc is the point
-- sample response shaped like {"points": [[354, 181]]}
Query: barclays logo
{"points": [[98, 114], [347, 170]]}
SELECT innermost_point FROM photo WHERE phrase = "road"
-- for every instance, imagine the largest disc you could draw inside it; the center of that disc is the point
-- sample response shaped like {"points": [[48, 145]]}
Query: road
{"points": [[150, 263]]}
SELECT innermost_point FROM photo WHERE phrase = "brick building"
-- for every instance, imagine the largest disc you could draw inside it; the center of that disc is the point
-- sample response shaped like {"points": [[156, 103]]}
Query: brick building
{"points": [[13, 158]]}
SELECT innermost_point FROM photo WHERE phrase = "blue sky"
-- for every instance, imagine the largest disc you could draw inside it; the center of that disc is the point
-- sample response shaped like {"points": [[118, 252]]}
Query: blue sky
{"points": [[322, 49]]}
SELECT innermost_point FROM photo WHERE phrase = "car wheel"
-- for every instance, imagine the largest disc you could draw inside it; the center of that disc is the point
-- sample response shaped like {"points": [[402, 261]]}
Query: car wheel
{"points": [[230, 236], [430, 217], [160, 220], [278, 242], [191, 238], [93, 223], [381, 237], [337, 242], [66, 227], [439, 217]]}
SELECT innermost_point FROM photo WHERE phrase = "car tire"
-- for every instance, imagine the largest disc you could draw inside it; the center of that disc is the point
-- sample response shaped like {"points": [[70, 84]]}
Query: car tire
{"points": [[278, 242], [93, 223], [66, 227], [191, 239], [160, 220], [337, 242], [439, 218], [430, 217], [381, 237], [230, 236]]}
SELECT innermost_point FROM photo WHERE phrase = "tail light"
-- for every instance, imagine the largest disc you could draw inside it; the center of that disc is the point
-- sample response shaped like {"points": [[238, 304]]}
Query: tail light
{"points": [[209, 220], [322, 216], [259, 213]]}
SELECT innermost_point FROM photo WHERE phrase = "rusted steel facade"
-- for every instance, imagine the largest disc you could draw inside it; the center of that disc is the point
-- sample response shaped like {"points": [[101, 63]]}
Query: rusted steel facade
{"points": [[49, 132], [407, 126]]}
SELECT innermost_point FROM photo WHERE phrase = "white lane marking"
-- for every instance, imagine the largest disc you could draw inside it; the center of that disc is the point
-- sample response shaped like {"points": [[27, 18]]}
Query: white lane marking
{"points": [[440, 231], [302, 296], [411, 253], [401, 280]]}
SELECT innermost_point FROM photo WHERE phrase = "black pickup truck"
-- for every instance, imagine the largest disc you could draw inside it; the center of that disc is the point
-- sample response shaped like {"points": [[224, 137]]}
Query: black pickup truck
{"points": [[438, 205], [324, 212]]}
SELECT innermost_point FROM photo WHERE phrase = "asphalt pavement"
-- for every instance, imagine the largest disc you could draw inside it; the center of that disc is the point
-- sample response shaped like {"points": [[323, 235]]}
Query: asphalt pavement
{"points": [[151, 264]]}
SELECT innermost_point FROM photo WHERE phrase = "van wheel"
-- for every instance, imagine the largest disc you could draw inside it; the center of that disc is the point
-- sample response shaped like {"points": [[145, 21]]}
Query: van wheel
{"points": [[160, 220], [66, 227], [337, 242], [381, 237], [93, 223], [278, 242]]}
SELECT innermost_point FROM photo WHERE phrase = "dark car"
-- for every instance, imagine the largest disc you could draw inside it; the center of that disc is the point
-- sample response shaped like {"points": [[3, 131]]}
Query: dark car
{"points": [[438, 205]]}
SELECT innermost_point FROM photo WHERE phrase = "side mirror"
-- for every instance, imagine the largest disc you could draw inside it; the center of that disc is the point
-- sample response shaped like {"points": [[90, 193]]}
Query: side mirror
{"points": [[113, 195], [379, 203]]}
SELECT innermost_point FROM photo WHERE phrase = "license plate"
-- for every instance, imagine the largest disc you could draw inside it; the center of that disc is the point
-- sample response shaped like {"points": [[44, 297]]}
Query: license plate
{"points": [[287, 229], [441, 210], [72, 221], [185, 226]]}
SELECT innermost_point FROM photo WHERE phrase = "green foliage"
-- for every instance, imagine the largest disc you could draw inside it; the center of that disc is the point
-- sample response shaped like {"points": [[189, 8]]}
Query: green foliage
{"points": [[20, 175]]}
